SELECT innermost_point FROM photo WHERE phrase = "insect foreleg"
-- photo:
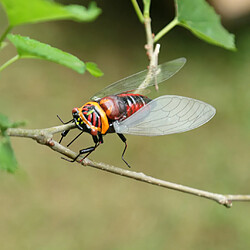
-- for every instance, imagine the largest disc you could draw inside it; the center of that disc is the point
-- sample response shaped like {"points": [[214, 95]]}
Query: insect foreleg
{"points": [[63, 134], [74, 138], [123, 138]]}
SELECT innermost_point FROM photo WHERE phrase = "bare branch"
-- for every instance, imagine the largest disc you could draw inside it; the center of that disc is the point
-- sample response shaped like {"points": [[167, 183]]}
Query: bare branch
{"points": [[45, 137], [150, 41], [151, 52]]}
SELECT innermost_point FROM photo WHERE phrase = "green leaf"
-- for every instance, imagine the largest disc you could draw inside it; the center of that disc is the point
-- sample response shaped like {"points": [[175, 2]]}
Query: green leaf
{"points": [[30, 48], [5, 123], [24, 11], [200, 18], [7, 157], [82, 14], [8, 160], [93, 69], [3, 45]]}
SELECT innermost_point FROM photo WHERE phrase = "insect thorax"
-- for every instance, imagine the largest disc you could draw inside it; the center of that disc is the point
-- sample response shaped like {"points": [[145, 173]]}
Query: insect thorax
{"points": [[94, 118]]}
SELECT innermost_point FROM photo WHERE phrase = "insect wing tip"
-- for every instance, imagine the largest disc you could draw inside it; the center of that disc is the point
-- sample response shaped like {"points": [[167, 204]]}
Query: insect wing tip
{"points": [[182, 61]]}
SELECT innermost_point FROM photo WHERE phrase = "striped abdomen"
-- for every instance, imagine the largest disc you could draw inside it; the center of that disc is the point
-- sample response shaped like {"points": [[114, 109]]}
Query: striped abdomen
{"points": [[119, 107], [134, 102]]}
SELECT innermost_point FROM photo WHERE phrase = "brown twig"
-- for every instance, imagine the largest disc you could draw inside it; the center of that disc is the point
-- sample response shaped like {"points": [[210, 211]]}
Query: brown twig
{"points": [[45, 137]]}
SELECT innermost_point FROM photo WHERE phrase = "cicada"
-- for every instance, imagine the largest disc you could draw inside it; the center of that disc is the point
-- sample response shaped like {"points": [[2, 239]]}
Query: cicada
{"points": [[120, 108]]}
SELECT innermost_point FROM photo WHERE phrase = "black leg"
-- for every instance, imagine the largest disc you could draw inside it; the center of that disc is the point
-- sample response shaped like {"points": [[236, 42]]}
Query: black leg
{"points": [[100, 138], [63, 134], [74, 138], [86, 151], [123, 138]]}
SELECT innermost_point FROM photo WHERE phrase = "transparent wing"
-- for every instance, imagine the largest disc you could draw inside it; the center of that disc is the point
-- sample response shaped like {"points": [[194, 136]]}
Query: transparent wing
{"points": [[167, 114], [142, 79]]}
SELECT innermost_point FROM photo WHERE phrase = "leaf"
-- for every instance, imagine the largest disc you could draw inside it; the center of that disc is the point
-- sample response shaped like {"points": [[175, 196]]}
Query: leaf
{"points": [[93, 69], [30, 48], [201, 19], [23, 11], [82, 14], [8, 160], [3, 45], [5, 123]]}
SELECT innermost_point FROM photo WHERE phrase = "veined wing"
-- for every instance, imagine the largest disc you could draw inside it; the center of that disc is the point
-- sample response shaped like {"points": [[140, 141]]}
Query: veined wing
{"points": [[130, 83], [167, 114]]}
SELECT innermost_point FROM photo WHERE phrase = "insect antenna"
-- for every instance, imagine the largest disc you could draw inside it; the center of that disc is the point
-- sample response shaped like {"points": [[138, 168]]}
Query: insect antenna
{"points": [[74, 139], [63, 121], [65, 132]]}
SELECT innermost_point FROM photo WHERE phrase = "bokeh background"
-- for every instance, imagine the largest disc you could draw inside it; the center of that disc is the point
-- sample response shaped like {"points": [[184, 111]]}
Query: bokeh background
{"points": [[51, 204]]}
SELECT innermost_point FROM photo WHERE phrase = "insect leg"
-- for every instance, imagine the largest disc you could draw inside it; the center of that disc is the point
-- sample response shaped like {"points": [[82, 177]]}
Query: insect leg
{"points": [[86, 151], [63, 134], [74, 138], [100, 138], [123, 138]]}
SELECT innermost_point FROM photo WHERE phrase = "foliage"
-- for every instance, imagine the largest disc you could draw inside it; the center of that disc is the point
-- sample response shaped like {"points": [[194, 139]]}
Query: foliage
{"points": [[7, 157], [200, 18], [30, 48], [93, 69], [24, 12]]}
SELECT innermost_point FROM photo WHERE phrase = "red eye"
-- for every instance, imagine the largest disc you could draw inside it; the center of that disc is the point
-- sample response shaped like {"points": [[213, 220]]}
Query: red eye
{"points": [[74, 110]]}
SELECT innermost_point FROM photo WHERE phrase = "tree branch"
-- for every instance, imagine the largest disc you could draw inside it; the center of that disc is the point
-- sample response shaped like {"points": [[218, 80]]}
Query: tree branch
{"points": [[45, 137], [152, 52]]}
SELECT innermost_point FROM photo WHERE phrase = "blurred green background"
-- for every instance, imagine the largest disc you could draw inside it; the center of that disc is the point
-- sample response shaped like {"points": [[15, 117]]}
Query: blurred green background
{"points": [[52, 204]]}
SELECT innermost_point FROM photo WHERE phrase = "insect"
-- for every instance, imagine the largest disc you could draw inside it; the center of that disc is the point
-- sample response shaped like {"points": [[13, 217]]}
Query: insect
{"points": [[117, 109]]}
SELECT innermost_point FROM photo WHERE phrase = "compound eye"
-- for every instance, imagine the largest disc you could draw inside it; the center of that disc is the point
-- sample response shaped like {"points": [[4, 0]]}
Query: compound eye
{"points": [[93, 132], [74, 110]]}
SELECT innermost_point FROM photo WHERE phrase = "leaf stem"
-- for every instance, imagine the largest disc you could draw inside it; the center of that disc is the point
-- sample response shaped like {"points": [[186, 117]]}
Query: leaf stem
{"points": [[138, 11], [146, 8], [166, 29], [5, 34], [13, 59]]}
